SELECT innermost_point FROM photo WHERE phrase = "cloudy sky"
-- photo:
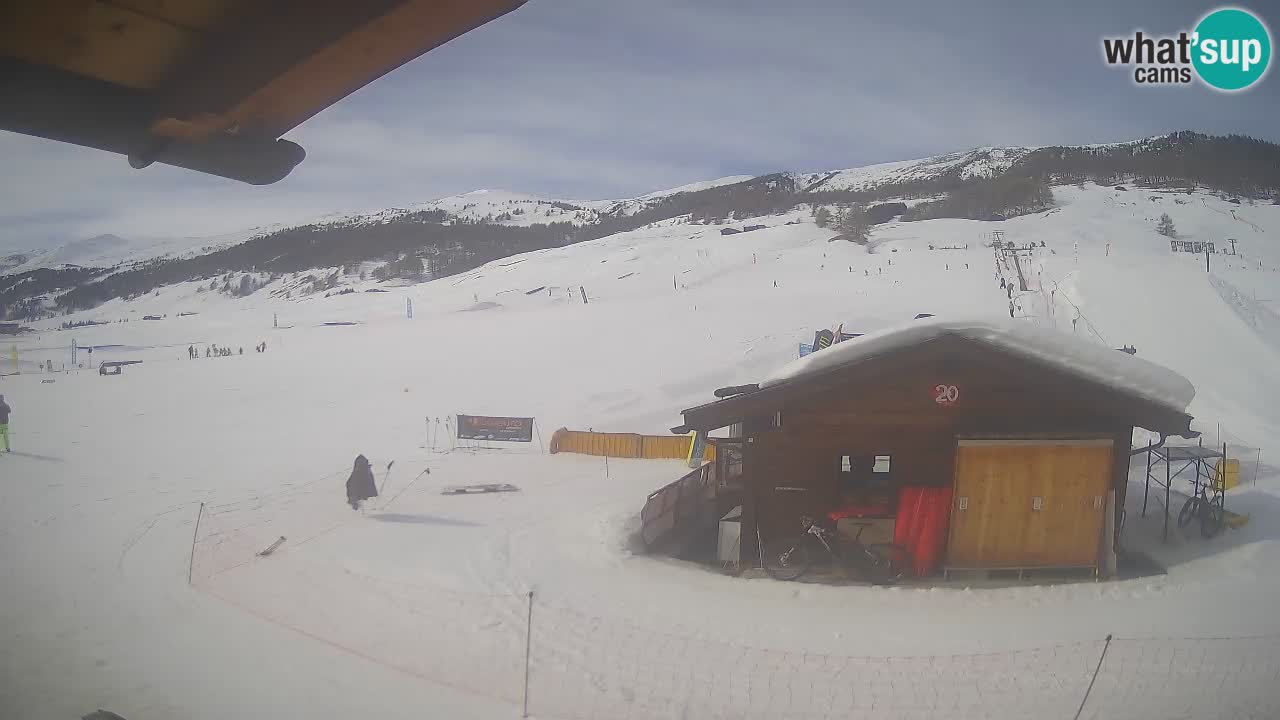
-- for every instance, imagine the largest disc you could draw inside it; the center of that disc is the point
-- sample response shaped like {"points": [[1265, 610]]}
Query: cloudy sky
{"points": [[594, 99]]}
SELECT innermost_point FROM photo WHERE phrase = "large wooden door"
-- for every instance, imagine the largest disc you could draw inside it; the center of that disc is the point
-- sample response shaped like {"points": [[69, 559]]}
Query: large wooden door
{"points": [[1028, 503]]}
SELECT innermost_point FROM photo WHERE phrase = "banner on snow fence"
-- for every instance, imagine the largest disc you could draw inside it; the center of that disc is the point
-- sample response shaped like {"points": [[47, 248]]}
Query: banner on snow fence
{"points": [[484, 427]]}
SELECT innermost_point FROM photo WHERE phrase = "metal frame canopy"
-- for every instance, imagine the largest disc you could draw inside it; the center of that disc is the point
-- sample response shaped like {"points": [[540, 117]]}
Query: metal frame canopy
{"points": [[207, 85], [1191, 456]]}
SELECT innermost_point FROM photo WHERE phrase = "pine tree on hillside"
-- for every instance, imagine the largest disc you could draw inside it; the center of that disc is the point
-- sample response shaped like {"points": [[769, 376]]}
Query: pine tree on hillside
{"points": [[853, 223], [1165, 226], [821, 216]]}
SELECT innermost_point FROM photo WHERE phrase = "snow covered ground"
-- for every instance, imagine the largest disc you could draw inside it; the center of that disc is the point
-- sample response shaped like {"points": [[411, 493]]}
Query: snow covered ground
{"points": [[419, 605]]}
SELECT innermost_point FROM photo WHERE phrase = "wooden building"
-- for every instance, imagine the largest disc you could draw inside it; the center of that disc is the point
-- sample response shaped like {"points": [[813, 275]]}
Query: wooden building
{"points": [[1029, 430]]}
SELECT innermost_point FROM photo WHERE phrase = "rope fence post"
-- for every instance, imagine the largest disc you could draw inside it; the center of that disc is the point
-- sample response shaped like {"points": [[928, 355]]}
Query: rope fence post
{"points": [[528, 646], [191, 564], [1093, 679]]}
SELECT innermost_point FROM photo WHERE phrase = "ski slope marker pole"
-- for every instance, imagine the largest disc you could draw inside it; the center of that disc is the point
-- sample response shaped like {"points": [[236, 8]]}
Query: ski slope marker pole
{"points": [[386, 475], [191, 564], [528, 645], [1105, 646]]}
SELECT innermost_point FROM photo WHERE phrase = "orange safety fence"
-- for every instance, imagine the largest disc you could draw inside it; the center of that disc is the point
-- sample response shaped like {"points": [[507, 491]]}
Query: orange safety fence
{"points": [[625, 445]]}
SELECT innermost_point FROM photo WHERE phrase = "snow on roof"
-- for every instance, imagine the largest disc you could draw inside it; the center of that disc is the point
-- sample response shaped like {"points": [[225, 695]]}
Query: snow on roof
{"points": [[1098, 363]]}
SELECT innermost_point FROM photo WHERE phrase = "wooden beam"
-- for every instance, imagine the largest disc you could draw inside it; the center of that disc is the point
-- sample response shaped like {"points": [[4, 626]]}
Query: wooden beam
{"points": [[245, 52], [281, 63], [193, 15], [95, 39], [47, 102]]}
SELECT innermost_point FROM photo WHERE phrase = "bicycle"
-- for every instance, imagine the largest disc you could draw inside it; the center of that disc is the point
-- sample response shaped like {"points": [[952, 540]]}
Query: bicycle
{"points": [[1200, 507], [790, 558]]}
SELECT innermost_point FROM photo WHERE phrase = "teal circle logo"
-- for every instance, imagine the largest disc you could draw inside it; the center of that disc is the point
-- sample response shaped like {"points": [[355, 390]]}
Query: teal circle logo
{"points": [[1231, 49]]}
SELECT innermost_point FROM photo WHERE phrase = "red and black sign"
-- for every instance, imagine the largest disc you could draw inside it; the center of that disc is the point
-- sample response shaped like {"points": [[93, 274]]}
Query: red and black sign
{"points": [[482, 427]]}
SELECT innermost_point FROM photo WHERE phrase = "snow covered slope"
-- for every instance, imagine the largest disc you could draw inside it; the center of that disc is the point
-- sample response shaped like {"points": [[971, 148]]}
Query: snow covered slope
{"points": [[508, 208], [979, 162], [421, 602]]}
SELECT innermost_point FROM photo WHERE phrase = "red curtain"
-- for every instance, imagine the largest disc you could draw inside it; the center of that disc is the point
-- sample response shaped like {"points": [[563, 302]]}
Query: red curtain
{"points": [[921, 525]]}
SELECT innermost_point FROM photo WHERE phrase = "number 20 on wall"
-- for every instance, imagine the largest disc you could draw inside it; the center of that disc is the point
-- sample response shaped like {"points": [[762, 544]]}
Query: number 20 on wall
{"points": [[946, 394]]}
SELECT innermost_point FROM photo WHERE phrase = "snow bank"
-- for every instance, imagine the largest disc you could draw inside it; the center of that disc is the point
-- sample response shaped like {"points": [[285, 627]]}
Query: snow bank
{"points": [[1121, 371]]}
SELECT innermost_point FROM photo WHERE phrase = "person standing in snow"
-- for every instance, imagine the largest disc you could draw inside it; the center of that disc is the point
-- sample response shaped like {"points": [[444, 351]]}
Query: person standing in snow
{"points": [[4, 423], [360, 485]]}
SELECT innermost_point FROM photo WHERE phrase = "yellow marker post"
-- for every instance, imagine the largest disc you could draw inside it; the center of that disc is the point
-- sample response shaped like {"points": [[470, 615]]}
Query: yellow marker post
{"points": [[1226, 475], [697, 448]]}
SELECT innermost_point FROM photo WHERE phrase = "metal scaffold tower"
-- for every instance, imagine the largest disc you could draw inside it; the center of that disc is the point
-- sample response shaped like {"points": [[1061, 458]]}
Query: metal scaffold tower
{"points": [[1207, 501]]}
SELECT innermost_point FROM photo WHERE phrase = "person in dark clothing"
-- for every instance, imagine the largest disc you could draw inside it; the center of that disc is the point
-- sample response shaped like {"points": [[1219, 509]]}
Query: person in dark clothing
{"points": [[206, 352], [4, 422], [241, 351], [360, 485]]}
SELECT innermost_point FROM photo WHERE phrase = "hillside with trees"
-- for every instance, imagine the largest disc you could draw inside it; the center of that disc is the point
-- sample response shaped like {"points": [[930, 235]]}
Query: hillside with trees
{"points": [[1233, 164], [435, 243]]}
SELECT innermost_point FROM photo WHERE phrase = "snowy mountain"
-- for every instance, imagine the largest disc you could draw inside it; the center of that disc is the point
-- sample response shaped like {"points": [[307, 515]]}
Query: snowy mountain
{"points": [[107, 251], [1217, 160], [976, 163], [1103, 259], [506, 208], [457, 233]]}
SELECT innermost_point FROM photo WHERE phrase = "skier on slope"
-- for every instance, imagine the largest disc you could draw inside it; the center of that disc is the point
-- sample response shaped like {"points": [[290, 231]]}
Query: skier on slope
{"points": [[4, 423], [360, 486]]}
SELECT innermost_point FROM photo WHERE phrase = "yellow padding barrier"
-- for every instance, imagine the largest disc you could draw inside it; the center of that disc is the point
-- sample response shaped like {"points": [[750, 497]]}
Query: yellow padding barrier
{"points": [[1228, 479], [625, 445]]}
